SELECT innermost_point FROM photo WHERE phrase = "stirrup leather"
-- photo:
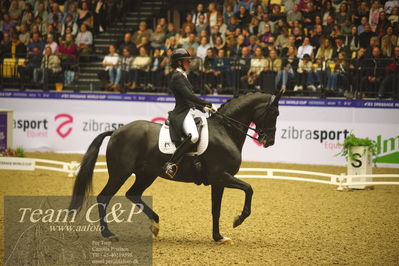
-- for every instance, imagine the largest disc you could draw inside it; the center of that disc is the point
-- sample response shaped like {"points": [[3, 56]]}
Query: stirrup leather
{"points": [[171, 169]]}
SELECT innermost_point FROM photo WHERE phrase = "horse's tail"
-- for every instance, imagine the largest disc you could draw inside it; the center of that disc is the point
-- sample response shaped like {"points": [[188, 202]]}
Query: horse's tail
{"points": [[84, 178]]}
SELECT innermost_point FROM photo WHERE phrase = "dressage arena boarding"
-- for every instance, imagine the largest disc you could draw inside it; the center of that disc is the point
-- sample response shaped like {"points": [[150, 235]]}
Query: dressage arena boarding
{"points": [[302, 222]]}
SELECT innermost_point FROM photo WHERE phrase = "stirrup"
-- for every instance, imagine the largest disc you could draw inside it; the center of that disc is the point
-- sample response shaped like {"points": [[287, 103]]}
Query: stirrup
{"points": [[171, 169]]}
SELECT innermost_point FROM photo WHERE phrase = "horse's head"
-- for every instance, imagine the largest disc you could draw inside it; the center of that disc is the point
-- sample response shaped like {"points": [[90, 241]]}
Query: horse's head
{"points": [[265, 119]]}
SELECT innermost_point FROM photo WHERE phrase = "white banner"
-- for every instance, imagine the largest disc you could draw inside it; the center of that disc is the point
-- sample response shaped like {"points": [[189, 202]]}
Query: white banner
{"points": [[305, 135]]}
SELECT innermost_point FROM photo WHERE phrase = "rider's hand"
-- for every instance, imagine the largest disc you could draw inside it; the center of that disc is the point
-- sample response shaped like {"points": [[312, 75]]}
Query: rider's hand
{"points": [[210, 109]]}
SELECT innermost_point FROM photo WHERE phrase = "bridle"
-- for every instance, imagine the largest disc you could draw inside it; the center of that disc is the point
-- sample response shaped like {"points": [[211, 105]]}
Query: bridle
{"points": [[244, 128]]}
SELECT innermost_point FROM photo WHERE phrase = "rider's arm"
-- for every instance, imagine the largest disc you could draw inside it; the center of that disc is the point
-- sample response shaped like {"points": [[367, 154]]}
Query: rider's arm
{"points": [[188, 94]]}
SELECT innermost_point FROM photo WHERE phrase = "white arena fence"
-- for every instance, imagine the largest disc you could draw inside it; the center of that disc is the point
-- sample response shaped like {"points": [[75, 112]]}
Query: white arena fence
{"points": [[342, 180]]}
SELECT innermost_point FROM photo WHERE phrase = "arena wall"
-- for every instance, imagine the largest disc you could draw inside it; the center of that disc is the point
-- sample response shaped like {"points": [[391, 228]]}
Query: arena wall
{"points": [[309, 131]]}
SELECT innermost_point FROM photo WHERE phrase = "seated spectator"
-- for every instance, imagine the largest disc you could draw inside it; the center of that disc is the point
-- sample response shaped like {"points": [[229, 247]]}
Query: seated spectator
{"points": [[338, 81], [51, 43], [84, 41], [374, 14], [273, 65], [383, 24], [99, 16], [202, 49], [258, 65], [35, 42], [41, 11], [112, 66], [232, 25], [5, 47], [305, 48], [355, 70], [183, 37], [394, 17], [68, 52], [50, 66], [18, 48], [69, 23], [140, 67], [374, 42], [143, 42], [363, 22], [53, 31], [157, 39], [202, 25], [221, 26], [212, 15], [228, 12], [7, 23], [125, 63], [170, 32], [29, 20], [294, 14], [55, 14], [305, 74], [325, 52], [72, 10], [128, 44], [210, 71], [188, 23], [41, 26], [240, 68], [220, 45], [389, 40], [352, 40], [84, 16], [365, 36], [200, 11], [171, 43], [340, 47], [390, 84], [243, 17], [253, 26], [223, 73], [267, 34], [288, 68], [156, 70], [33, 62], [390, 5], [372, 74], [191, 43], [166, 65], [14, 11], [27, 14], [24, 35], [282, 39]]}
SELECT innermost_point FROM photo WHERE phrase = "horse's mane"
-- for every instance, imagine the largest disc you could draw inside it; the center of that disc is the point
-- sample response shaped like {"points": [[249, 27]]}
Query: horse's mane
{"points": [[234, 103]]}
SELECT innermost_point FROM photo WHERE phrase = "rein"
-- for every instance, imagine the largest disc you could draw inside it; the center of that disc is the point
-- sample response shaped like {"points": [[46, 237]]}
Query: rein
{"points": [[238, 125]]}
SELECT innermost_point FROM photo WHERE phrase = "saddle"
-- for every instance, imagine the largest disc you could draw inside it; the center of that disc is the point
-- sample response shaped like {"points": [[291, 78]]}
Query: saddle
{"points": [[167, 146]]}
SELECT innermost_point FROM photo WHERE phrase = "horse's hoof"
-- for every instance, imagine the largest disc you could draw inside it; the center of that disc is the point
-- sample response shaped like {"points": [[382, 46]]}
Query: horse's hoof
{"points": [[225, 241], [113, 238], [237, 221], [154, 228]]}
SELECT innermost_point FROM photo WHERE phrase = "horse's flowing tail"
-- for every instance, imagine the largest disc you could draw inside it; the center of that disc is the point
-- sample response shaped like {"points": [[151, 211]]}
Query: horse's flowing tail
{"points": [[84, 178]]}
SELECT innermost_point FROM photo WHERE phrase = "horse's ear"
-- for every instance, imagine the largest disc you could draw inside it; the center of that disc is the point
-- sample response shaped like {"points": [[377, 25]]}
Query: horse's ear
{"points": [[277, 98]]}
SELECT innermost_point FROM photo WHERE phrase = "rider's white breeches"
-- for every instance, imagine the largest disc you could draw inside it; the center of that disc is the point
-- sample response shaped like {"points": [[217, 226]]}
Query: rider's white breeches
{"points": [[189, 126]]}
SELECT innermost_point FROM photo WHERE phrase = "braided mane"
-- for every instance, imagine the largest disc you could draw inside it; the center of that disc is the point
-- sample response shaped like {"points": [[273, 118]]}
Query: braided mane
{"points": [[238, 99]]}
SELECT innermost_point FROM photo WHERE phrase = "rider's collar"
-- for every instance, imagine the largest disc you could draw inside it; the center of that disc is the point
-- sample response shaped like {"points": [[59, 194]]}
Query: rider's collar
{"points": [[181, 71]]}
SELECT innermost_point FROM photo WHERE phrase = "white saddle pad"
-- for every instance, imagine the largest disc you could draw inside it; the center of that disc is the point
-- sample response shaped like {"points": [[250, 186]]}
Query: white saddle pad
{"points": [[166, 145]]}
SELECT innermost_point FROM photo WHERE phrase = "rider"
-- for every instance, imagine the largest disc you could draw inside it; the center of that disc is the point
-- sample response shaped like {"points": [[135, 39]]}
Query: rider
{"points": [[182, 117]]}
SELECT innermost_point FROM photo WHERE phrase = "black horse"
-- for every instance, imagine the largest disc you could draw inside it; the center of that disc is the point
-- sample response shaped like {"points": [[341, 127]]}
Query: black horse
{"points": [[133, 148]]}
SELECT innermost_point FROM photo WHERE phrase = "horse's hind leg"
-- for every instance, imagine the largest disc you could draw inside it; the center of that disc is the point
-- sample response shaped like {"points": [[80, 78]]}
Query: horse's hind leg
{"points": [[134, 194], [113, 185]]}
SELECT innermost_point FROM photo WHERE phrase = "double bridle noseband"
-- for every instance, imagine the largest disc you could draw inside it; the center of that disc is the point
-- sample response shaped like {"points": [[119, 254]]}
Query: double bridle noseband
{"points": [[244, 128]]}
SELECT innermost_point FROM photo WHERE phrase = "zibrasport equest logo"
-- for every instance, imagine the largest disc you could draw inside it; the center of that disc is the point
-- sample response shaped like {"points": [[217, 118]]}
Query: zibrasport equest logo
{"points": [[330, 139]]}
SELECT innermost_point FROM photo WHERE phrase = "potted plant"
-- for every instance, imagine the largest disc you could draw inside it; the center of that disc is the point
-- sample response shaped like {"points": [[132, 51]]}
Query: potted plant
{"points": [[359, 153]]}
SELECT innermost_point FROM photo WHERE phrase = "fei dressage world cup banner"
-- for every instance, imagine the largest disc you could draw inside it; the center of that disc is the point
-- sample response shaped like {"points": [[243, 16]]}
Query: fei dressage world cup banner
{"points": [[309, 131]]}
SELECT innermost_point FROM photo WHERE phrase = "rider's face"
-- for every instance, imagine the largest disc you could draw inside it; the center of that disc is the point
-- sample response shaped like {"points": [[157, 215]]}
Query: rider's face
{"points": [[186, 64]]}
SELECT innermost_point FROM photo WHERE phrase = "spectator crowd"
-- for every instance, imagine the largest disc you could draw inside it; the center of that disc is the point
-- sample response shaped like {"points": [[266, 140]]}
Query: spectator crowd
{"points": [[331, 47], [50, 35]]}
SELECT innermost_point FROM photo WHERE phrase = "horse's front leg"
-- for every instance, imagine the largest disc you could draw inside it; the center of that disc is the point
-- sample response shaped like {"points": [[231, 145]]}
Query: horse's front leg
{"points": [[217, 194], [233, 182]]}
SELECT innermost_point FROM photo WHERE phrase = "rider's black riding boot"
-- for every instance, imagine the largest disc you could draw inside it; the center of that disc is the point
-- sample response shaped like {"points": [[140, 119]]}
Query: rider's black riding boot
{"points": [[171, 166]]}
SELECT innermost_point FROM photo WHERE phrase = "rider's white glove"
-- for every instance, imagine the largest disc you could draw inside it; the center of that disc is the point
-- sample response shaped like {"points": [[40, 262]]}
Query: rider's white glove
{"points": [[213, 109]]}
